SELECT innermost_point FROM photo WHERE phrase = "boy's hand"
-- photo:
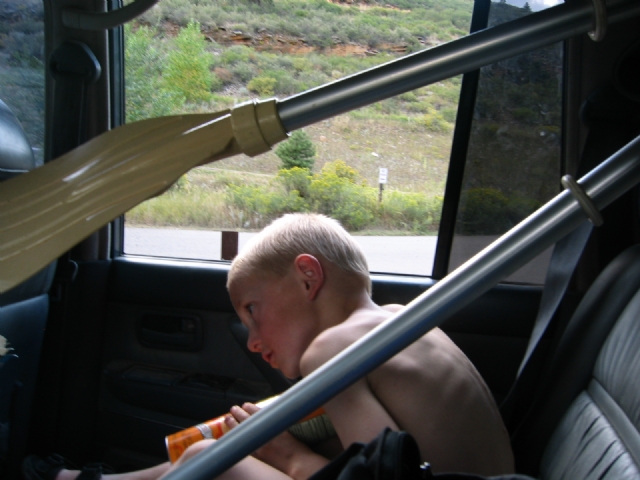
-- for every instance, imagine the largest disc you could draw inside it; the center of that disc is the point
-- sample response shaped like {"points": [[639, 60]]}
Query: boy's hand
{"points": [[283, 452]]}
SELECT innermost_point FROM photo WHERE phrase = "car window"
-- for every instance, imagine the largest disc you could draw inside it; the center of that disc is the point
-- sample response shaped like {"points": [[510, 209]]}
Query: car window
{"points": [[380, 170], [513, 158], [22, 66]]}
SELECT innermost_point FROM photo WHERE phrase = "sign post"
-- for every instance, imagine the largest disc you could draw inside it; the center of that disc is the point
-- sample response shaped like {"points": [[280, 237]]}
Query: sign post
{"points": [[382, 179], [229, 246]]}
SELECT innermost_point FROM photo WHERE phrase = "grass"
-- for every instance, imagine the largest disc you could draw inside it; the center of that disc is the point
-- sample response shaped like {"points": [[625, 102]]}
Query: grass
{"points": [[416, 158], [417, 162], [198, 208]]}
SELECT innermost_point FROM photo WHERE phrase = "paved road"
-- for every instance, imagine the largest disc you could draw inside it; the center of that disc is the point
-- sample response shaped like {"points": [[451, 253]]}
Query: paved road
{"points": [[409, 255]]}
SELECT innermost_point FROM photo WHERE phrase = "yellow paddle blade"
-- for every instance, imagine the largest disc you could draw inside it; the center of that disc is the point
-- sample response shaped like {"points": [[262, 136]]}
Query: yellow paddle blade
{"points": [[47, 211]]}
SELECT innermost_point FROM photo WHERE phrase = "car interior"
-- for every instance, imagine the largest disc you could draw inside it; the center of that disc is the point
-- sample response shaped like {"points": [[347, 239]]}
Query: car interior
{"points": [[110, 352]]}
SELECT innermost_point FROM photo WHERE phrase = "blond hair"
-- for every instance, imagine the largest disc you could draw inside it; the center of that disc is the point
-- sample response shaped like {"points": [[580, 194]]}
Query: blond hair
{"points": [[274, 249]]}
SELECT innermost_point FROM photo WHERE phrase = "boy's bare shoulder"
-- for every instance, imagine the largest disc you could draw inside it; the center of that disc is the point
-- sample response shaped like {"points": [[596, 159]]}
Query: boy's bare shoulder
{"points": [[392, 307], [335, 339]]}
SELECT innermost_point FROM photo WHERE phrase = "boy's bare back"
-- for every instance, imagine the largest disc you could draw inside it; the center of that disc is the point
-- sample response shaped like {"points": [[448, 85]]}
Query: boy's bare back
{"points": [[430, 390]]}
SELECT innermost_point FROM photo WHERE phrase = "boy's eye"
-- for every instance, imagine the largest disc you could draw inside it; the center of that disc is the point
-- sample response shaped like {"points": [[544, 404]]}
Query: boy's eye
{"points": [[250, 309]]}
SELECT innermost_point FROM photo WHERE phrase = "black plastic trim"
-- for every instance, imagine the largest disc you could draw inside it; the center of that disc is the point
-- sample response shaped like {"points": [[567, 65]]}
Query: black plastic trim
{"points": [[118, 111], [460, 144]]}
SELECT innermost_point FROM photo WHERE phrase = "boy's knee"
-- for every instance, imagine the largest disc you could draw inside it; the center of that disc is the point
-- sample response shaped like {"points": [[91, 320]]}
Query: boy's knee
{"points": [[194, 450]]}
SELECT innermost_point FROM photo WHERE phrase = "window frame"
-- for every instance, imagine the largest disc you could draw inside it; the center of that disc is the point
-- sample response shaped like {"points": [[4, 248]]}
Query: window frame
{"points": [[457, 160], [458, 157]]}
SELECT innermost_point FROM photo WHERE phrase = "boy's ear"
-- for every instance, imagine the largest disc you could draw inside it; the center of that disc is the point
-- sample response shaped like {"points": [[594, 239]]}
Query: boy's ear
{"points": [[309, 270]]}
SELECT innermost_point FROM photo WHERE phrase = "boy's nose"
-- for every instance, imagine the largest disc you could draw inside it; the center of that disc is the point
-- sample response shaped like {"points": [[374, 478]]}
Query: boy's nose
{"points": [[254, 344]]}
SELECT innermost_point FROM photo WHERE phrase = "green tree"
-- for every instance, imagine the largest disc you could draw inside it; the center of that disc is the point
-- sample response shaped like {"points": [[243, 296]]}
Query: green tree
{"points": [[297, 151], [145, 95], [189, 65]]}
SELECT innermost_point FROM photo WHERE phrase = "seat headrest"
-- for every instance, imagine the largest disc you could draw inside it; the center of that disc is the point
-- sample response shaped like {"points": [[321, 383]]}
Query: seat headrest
{"points": [[16, 155]]}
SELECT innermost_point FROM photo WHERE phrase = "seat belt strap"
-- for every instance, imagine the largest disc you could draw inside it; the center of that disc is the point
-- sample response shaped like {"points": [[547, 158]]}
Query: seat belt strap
{"points": [[562, 264]]}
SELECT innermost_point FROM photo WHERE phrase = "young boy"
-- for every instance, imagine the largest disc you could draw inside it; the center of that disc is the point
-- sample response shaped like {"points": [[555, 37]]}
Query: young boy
{"points": [[302, 289]]}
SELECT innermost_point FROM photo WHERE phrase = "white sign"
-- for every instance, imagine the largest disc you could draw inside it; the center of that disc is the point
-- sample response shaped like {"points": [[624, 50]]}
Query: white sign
{"points": [[383, 175]]}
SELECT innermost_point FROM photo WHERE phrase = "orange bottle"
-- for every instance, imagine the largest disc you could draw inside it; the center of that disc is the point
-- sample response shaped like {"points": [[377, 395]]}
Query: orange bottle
{"points": [[178, 442]]}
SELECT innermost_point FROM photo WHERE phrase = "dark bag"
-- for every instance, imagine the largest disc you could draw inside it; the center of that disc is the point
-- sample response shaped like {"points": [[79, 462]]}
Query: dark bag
{"points": [[390, 456]]}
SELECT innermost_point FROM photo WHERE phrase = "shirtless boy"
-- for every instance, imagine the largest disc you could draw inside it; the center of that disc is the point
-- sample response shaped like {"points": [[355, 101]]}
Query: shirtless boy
{"points": [[302, 289]]}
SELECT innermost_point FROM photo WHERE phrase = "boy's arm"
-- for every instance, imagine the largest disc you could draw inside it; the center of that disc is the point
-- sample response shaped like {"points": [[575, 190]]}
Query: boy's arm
{"points": [[284, 452], [356, 413]]}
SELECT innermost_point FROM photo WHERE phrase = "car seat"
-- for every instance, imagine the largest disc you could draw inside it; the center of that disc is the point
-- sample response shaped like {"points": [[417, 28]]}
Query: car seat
{"points": [[585, 419], [23, 314]]}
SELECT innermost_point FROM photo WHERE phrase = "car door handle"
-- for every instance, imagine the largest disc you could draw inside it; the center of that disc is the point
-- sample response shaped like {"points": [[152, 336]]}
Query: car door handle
{"points": [[170, 332]]}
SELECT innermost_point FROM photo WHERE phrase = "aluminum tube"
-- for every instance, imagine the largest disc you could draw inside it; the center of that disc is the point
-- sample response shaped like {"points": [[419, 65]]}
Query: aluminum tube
{"points": [[522, 243], [444, 61]]}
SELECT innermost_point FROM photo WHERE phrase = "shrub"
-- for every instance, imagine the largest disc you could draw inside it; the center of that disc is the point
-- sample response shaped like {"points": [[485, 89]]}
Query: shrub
{"points": [[235, 54], [223, 74], [259, 206], [244, 72], [263, 86], [297, 151], [521, 207], [408, 97], [312, 79], [295, 179], [181, 185], [447, 92], [342, 198], [435, 122], [449, 114], [412, 211], [189, 65], [483, 211], [525, 115], [342, 170]]}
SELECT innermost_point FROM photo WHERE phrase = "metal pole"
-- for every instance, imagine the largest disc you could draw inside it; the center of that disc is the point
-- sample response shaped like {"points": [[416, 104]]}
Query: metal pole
{"points": [[550, 223], [445, 61]]}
